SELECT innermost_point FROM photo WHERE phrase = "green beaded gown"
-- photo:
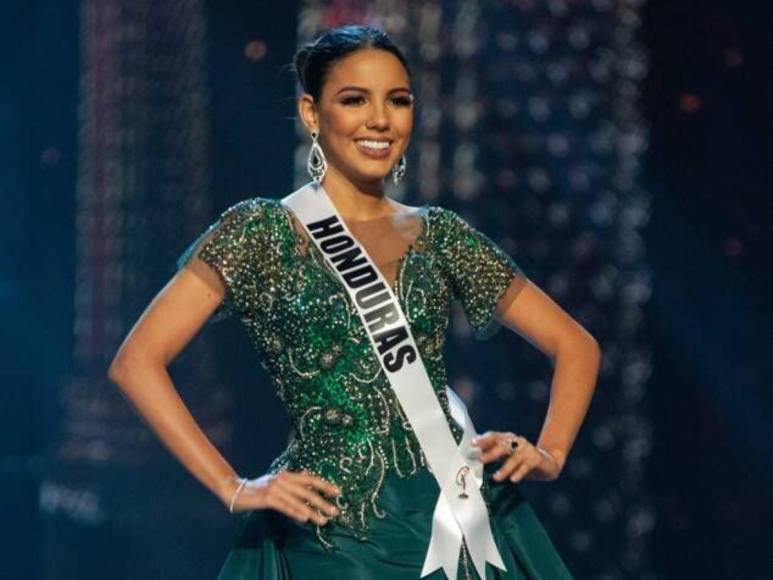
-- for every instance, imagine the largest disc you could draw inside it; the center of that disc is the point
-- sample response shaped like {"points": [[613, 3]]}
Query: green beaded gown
{"points": [[347, 424]]}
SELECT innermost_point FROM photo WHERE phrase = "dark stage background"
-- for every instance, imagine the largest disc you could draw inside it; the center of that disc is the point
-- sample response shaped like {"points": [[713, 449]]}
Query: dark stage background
{"points": [[619, 150]]}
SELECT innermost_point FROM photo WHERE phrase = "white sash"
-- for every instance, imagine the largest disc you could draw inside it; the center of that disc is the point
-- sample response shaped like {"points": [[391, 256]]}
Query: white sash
{"points": [[460, 511]]}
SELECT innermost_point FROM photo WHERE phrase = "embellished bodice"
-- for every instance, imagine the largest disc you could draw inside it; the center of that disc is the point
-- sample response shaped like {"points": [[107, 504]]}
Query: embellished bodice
{"points": [[348, 426]]}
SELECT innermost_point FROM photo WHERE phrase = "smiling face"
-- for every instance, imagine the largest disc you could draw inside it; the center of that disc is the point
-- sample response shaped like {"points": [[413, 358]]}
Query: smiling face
{"points": [[364, 116]]}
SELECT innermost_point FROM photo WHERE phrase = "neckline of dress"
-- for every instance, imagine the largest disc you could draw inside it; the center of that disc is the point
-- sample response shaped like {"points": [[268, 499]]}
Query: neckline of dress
{"points": [[423, 213]]}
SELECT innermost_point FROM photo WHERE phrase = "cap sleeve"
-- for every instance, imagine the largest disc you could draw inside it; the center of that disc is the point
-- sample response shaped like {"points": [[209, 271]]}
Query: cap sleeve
{"points": [[227, 248], [482, 276]]}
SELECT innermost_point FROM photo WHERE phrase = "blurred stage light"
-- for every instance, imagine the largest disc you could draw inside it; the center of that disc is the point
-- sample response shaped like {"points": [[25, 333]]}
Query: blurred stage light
{"points": [[690, 103], [255, 50]]}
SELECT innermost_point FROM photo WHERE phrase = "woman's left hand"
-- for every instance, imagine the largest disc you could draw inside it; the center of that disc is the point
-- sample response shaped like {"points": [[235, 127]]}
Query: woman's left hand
{"points": [[527, 461]]}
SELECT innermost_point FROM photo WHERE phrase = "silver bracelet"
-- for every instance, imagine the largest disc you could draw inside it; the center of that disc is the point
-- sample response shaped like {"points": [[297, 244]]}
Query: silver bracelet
{"points": [[242, 483]]}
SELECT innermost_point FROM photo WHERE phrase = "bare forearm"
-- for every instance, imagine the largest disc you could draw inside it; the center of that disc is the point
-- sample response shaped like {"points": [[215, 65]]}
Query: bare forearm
{"points": [[149, 388], [574, 381]]}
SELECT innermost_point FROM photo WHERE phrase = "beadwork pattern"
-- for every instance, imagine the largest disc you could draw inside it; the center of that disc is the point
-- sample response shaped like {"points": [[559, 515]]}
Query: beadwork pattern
{"points": [[348, 426]]}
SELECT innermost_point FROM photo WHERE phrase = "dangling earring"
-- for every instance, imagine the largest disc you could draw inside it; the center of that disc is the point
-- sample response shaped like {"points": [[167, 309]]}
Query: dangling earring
{"points": [[316, 164], [398, 171]]}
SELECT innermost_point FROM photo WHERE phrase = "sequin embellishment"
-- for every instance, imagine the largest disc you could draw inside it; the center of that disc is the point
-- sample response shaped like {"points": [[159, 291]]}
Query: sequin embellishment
{"points": [[347, 424]]}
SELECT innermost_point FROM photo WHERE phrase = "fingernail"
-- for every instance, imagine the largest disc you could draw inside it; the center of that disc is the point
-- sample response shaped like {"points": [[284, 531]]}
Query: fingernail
{"points": [[475, 439]]}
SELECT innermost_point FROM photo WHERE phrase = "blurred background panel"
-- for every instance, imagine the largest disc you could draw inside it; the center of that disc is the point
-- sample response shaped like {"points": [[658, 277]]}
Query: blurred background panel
{"points": [[620, 151], [710, 175]]}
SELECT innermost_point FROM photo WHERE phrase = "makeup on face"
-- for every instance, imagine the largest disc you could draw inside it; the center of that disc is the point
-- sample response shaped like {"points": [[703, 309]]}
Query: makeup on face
{"points": [[366, 114]]}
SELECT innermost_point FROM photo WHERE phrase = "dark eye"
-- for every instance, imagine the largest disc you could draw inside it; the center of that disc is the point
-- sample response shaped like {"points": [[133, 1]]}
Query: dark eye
{"points": [[404, 101], [353, 100]]}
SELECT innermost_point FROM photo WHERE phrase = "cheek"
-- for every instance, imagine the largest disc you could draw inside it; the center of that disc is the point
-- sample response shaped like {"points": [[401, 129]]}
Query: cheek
{"points": [[343, 123], [404, 123]]}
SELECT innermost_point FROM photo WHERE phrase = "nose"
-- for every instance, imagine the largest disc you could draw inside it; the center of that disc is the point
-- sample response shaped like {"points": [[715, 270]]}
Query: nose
{"points": [[379, 118]]}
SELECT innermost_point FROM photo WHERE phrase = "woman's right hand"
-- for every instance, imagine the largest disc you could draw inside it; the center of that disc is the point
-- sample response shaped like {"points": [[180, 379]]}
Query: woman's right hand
{"points": [[295, 494]]}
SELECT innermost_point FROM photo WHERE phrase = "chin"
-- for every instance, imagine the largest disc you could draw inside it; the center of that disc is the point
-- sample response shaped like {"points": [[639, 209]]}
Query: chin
{"points": [[369, 171]]}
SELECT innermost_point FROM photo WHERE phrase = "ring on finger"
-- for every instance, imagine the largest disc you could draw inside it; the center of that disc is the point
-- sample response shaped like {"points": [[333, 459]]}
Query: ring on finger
{"points": [[511, 444]]}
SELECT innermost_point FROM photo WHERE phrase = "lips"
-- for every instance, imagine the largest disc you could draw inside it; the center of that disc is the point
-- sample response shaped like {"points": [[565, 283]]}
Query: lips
{"points": [[374, 148]]}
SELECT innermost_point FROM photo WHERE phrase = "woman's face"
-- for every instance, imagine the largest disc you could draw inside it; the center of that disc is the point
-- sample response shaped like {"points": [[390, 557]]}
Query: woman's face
{"points": [[364, 115]]}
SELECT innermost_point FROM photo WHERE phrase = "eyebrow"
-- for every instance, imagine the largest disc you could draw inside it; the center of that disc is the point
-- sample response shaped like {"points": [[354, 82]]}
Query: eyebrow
{"points": [[364, 90]]}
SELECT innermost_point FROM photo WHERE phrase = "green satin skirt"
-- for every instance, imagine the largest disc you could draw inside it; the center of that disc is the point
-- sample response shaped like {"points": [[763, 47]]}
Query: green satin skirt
{"points": [[271, 546]]}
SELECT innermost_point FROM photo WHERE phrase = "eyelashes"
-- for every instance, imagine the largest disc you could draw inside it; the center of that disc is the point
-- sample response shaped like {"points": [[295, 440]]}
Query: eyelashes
{"points": [[404, 101]]}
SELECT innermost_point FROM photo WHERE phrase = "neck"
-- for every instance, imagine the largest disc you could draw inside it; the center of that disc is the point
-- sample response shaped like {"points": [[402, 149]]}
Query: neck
{"points": [[357, 201]]}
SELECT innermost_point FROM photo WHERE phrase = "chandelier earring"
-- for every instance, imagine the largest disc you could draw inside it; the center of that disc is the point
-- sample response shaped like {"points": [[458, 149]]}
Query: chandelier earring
{"points": [[316, 165], [398, 171]]}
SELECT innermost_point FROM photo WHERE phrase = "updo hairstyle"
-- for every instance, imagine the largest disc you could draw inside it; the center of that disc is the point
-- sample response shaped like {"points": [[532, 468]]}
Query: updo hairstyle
{"points": [[314, 60]]}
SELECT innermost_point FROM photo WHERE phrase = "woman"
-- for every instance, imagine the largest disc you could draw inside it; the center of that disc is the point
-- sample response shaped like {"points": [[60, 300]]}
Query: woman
{"points": [[353, 495]]}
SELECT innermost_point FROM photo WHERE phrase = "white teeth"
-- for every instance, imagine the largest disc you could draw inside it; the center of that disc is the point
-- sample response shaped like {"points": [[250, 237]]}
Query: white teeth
{"points": [[373, 144]]}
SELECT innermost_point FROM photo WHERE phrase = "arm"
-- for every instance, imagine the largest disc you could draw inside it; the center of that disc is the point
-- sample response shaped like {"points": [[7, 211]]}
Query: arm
{"points": [[139, 369], [576, 356]]}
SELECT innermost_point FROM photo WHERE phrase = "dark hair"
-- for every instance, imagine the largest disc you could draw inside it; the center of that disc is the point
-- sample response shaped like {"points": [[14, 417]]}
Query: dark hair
{"points": [[313, 60]]}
